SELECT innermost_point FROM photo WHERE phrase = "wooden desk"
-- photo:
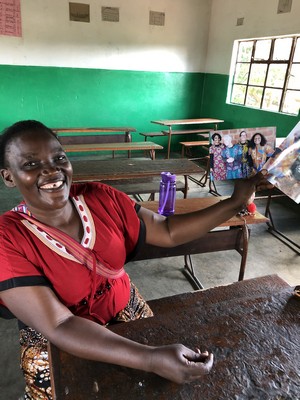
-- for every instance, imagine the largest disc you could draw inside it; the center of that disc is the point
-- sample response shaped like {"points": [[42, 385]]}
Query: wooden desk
{"points": [[252, 327], [127, 130], [128, 146], [195, 121], [94, 170], [80, 135], [234, 237]]}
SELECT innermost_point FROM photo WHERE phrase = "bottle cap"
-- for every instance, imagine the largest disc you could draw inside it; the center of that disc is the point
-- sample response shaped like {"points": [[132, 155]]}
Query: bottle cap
{"points": [[168, 177]]}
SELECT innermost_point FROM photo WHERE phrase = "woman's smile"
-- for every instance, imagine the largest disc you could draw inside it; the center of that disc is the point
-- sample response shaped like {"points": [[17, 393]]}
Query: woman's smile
{"points": [[52, 186], [41, 171]]}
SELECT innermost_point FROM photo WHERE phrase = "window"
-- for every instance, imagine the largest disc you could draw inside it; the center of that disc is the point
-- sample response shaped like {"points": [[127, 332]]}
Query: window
{"points": [[266, 74]]}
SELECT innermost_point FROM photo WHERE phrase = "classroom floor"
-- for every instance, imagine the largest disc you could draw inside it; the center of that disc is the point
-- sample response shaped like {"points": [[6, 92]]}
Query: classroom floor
{"points": [[158, 278]]}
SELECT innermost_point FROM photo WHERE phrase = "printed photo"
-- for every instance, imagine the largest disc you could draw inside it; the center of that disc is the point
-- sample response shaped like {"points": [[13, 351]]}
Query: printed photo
{"points": [[238, 153], [284, 165]]}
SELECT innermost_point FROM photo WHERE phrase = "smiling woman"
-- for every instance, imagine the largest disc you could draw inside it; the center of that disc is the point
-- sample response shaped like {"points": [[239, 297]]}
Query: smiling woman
{"points": [[62, 257], [39, 169]]}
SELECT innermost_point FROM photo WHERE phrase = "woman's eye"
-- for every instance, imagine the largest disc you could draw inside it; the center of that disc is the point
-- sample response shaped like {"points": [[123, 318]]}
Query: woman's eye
{"points": [[61, 158], [30, 164]]}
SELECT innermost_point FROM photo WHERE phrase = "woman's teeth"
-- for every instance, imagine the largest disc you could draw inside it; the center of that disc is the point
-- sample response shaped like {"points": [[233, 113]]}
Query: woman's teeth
{"points": [[53, 185]]}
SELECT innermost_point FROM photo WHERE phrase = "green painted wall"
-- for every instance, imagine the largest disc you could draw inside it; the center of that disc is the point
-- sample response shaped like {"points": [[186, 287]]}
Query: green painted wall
{"points": [[214, 105], [89, 97]]}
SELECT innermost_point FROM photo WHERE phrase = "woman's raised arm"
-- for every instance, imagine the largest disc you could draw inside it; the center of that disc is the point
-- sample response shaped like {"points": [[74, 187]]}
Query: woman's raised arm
{"points": [[182, 228]]}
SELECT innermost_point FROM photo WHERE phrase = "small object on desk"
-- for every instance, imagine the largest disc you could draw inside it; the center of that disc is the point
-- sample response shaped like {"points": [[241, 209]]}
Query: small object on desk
{"points": [[251, 208], [167, 194]]}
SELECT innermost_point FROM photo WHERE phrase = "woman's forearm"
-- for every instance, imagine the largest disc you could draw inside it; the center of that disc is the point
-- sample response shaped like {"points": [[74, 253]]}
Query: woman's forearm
{"points": [[187, 227], [175, 362], [86, 339]]}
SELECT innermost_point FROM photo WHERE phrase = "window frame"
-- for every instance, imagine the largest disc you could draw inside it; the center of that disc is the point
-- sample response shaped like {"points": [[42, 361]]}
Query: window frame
{"points": [[236, 63]]}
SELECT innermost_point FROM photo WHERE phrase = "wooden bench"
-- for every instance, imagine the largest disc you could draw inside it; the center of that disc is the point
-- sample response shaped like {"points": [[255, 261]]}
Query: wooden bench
{"points": [[115, 131], [204, 132], [187, 145], [126, 146], [138, 186], [151, 134], [94, 135]]}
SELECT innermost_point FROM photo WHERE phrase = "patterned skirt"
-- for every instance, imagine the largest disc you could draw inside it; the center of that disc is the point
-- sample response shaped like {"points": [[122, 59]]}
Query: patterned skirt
{"points": [[34, 353]]}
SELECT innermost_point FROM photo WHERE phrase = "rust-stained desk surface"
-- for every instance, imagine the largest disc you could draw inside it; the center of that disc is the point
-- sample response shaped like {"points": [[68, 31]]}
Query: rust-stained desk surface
{"points": [[95, 170], [252, 327]]}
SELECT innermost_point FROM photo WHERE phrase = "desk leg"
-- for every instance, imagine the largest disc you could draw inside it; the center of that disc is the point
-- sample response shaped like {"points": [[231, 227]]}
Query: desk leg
{"points": [[213, 189], [202, 182], [54, 358], [169, 142], [241, 246], [186, 186], [275, 232], [189, 273], [205, 177], [138, 197], [128, 139], [244, 251]]}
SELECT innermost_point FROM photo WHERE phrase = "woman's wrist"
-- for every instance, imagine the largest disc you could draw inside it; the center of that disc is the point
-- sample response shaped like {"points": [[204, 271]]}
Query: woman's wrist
{"points": [[235, 204]]}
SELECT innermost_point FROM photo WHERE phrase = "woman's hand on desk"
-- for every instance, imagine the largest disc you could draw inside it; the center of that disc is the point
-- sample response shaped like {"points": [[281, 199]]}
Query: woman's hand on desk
{"points": [[180, 364]]}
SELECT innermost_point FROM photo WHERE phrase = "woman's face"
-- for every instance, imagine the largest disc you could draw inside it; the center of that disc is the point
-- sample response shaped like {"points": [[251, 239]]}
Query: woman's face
{"points": [[217, 140], [227, 140], [257, 139], [243, 137], [39, 168]]}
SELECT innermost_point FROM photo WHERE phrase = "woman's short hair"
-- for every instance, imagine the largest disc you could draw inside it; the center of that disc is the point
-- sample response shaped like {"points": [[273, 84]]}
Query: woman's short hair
{"points": [[216, 135], [13, 131]]}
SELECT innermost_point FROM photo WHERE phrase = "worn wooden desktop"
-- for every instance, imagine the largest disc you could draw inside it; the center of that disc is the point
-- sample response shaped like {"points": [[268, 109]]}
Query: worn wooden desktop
{"points": [[251, 327], [101, 170], [230, 235], [180, 122], [126, 146]]}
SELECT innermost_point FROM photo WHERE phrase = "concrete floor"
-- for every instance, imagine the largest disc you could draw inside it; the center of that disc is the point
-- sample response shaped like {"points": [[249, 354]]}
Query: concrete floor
{"points": [[164, 277]]}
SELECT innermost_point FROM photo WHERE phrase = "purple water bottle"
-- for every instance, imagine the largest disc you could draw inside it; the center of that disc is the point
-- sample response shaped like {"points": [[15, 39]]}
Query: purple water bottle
{"points": [[167, 194]]}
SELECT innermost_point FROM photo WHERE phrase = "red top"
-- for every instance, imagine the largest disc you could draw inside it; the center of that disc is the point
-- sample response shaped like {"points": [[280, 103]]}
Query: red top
{"points": [[112, 229]]}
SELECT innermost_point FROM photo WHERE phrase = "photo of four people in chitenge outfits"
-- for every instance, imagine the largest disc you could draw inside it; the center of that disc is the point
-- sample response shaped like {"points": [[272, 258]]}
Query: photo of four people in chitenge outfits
{"points": [[240, 153]]}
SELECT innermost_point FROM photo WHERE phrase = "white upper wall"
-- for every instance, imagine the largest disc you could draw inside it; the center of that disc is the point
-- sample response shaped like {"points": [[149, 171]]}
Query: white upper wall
{"points": [[260, 19], [50, 39]]}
